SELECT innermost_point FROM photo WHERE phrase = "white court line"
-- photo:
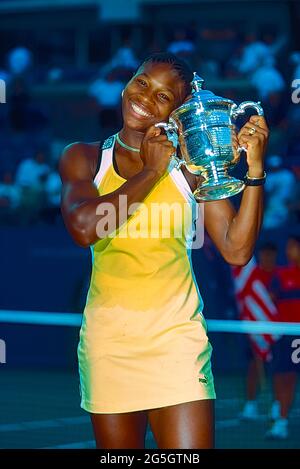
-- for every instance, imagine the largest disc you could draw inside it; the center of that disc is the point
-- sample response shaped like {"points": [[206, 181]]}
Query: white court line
{"points": [[213, 325], [42, 318]]}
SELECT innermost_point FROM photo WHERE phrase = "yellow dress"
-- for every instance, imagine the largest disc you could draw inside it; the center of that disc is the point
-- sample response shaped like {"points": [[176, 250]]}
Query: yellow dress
{"points": [[143, 341]]}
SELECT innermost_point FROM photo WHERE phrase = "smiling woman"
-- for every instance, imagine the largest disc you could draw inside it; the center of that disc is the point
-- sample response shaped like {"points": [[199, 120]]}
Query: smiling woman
{"points": [[143, 350], [151, 94]]}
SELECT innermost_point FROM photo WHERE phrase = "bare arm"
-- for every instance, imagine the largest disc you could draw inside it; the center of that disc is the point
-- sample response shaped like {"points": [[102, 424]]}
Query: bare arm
{"points": [[235, 233], [80, 199]]}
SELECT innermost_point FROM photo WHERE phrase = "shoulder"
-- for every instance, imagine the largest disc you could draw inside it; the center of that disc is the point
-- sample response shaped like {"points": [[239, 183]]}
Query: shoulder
{"points": [[79, 150], [79, 160]]}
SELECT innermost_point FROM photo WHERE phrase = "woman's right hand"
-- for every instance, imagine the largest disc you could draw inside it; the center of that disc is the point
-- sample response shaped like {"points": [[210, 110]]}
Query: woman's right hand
{"points": [[156, 150]]}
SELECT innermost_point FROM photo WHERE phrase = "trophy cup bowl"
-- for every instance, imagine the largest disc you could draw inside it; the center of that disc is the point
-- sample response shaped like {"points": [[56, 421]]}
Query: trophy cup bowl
{"points": [[204, 127]]}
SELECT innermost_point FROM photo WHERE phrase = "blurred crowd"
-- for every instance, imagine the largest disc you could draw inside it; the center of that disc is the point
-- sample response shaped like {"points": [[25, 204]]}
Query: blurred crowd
{"points": [[263, 60]]}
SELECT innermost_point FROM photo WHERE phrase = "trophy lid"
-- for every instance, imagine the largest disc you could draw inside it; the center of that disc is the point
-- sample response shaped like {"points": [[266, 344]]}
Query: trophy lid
{"points": [[197, 90], [197, 82], [200, 100], [200, 96]]}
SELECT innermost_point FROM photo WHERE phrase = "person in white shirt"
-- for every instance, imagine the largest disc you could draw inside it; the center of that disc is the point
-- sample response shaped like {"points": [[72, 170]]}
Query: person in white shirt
{"points": [[267, 79], [30, 177], [181, 45], [256, 51], [280, 186], [31, 172], [107, 93], [124, 58]]}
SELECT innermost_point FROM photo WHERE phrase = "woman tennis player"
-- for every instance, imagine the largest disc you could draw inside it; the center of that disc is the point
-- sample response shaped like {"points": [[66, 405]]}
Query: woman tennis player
{"points": [[143, 352]]}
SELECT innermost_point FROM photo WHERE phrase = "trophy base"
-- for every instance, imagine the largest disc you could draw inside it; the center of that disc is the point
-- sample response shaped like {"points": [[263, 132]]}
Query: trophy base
{"points": [[222, 189]]}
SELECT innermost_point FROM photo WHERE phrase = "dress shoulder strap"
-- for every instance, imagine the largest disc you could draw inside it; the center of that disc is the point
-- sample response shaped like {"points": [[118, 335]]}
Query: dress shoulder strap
{"points": [[99, 158], [104, 159], [181, 182]]}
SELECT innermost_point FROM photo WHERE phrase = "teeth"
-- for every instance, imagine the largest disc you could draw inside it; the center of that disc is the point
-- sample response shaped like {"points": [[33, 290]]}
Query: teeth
{"points": [[140, 111]]}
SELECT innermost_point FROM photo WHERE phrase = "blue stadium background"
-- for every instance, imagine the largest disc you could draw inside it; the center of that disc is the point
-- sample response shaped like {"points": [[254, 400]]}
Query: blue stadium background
{"points": [[59, 60]]}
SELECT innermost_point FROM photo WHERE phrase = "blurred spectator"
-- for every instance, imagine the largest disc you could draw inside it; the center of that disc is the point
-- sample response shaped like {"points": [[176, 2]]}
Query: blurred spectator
{"points": [[32, 172], [253, 52], [31, 176], [279, 187], [125, 57], [276, 43], [286, 292], [256, 51], [266, 78], [10, 197], [261, 275], [107, 92], [19, 60], [181, 45], [124, 61]]}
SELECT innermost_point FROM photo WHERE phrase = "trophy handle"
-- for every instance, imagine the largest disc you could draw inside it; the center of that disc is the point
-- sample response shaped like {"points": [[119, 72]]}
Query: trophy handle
{"points": [[171, 129], [167, 126], [237, 111]]}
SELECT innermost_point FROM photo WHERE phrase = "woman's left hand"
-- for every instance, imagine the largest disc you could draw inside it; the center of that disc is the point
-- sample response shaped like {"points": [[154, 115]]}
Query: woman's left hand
{"points": [[255, 143]]}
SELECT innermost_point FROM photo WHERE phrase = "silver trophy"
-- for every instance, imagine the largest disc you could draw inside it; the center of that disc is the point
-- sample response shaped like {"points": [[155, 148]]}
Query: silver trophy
{"points": [[203, 127]]}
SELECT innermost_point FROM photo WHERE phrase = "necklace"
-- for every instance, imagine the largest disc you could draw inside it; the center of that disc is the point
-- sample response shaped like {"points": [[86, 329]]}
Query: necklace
{"points": [[126, 146]]}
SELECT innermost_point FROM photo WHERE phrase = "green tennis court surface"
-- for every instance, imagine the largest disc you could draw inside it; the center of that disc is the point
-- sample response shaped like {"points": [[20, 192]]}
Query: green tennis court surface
{"points": [[40, 409]]}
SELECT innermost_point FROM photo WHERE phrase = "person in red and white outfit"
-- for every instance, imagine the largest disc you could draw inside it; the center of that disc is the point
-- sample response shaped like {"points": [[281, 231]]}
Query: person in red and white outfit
{"points": [[252, 284], [286, 293]]}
